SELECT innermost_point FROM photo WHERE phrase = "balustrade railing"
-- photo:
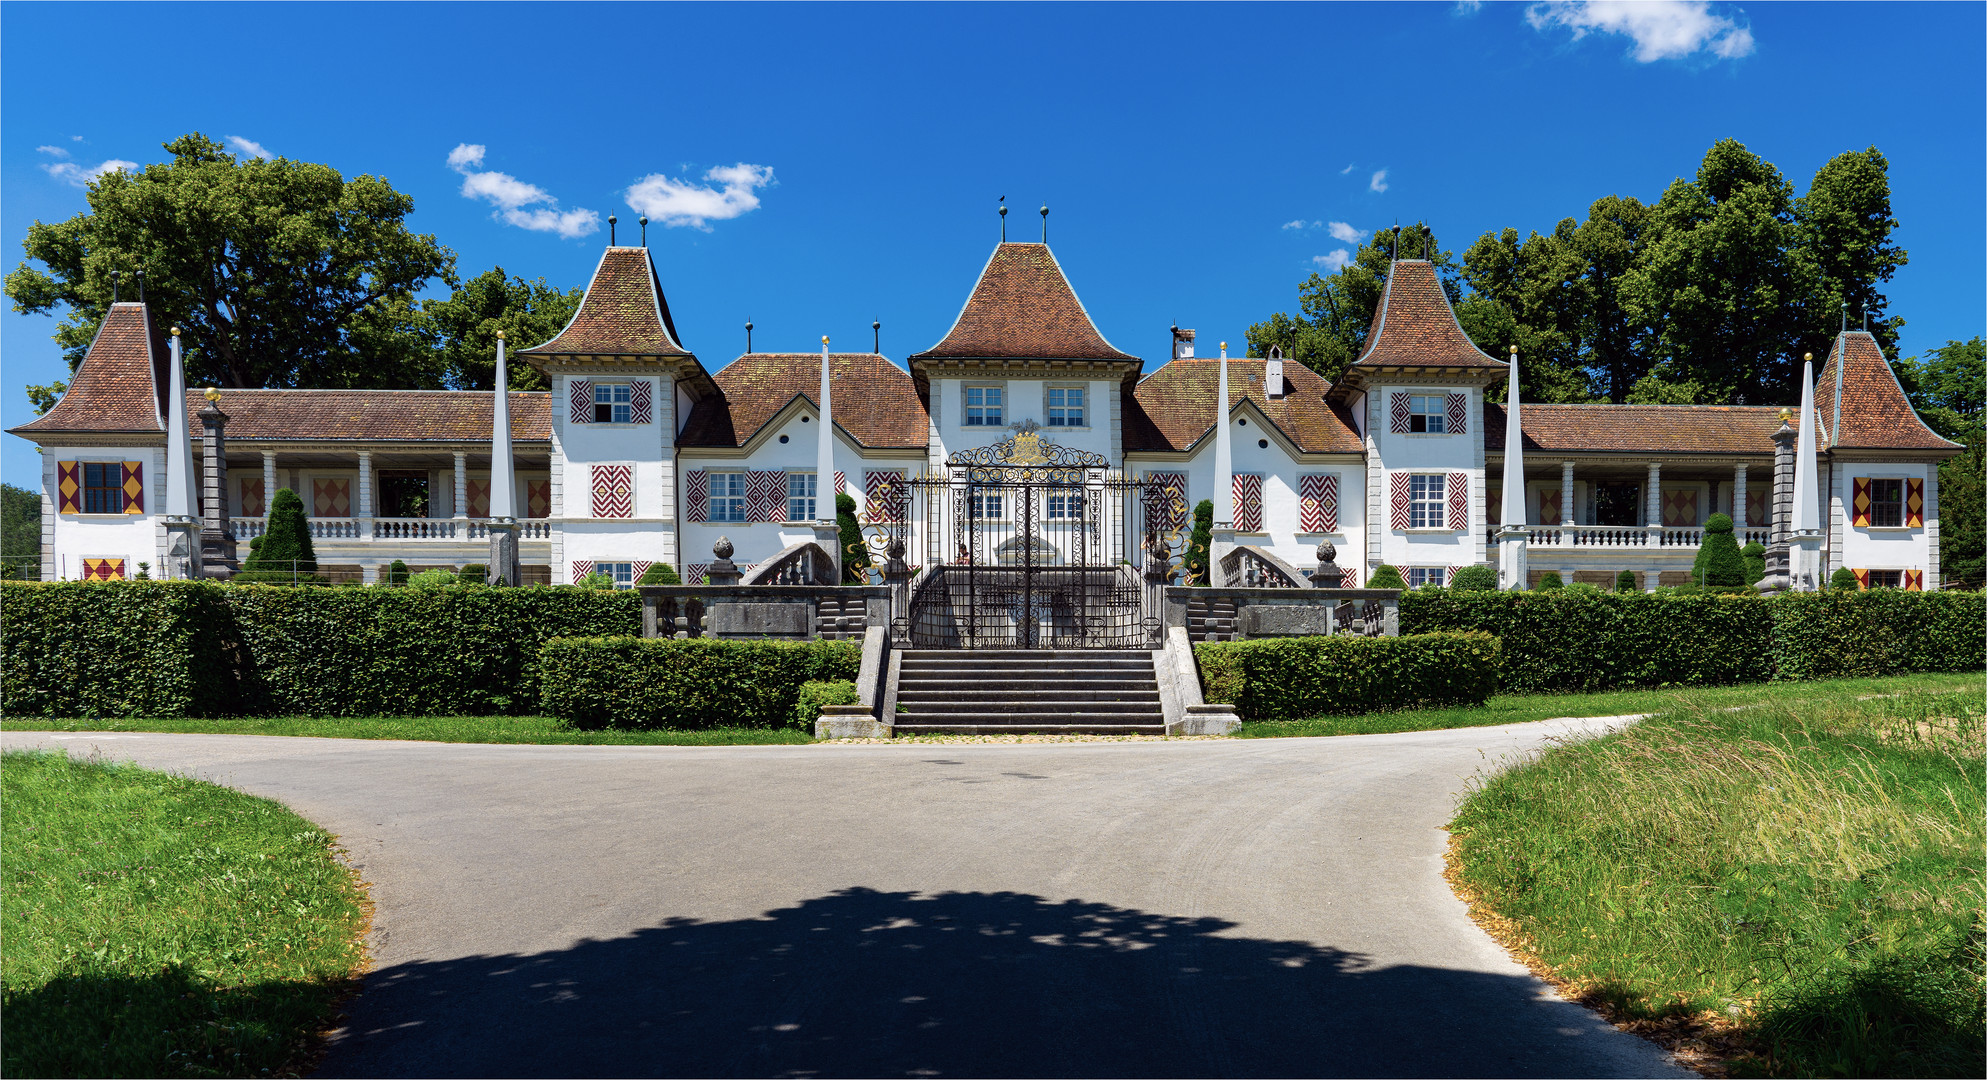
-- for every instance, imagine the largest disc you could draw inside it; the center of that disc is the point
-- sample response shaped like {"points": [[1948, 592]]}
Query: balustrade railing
{"points": [[334, 528], [247, 528], [1245, 567], [1626, 536], [413, 529]]}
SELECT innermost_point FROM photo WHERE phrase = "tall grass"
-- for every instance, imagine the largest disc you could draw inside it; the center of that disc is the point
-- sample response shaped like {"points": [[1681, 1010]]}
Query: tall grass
{"points": [[1810, 869]]}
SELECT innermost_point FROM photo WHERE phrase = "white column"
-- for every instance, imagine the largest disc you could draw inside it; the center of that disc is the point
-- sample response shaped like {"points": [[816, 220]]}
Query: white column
{"points": [[182, 557], [1739, 498], [461, 485], [268, 481], [365, 507], [1652, 502], [1566, 501]]}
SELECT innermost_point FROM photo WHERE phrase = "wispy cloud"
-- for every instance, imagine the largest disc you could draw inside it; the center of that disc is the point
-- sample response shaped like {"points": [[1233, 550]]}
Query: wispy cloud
{"points": [[250, 147], [1661, 29], [517, 203], [1300, 223], [680, 202], [1331, 262], [1468, 7], [1346, 234], [80, 176], [53, 151], [1379, 181], [1348, 168]]}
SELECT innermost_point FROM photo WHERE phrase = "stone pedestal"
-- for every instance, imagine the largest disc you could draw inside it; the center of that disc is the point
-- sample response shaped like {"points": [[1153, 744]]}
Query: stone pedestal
{"points": [[183, 536], [217, 541], [1804, 562], [849, 722], [828, 534], [1513, 551], [723, 571], [504, 567], [1221, 541], [1327, 575]]}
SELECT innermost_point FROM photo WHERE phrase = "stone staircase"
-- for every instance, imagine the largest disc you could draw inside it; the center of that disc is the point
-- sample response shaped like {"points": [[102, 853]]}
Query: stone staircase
{"points": [[1017, 691]]}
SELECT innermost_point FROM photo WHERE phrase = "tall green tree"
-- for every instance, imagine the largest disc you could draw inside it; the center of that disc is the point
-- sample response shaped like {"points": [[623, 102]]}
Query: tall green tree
{"points": [[1336, 309], [281, 272], [463, 328], [20, 532], [1948, 387], [1843, 227]]}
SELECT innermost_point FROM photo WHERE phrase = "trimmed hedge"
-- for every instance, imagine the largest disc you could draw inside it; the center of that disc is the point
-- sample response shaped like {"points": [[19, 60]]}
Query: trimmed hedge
{"points": [[115, 648], [686, 682], [817, 693], [1828, 635], [1301, 677]]}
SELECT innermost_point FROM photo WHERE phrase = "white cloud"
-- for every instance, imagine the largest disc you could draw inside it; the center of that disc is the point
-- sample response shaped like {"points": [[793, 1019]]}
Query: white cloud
{"points": [[71, 173], [1661, 29], [75, 138], [1468, 7], [1379, 181], [679, 202], [250, 147], [512, 196], [53, 151], [1348, 168], [1300, 223], [1331, 262], [1346, 234]]}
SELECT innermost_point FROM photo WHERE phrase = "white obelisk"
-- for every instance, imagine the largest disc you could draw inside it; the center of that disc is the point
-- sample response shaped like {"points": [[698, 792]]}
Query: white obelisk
{"points": [[826, 532], [1806, 541], [182, 520], [1222, 536], [504, 568], [1512, 538]]}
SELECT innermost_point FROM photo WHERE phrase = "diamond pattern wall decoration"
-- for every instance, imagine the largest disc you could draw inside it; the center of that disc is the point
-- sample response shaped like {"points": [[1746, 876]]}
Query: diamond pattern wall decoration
{"points": [[478, 492], [696, 498], [1859, 501], [134, 487], [639, 567], [1399, 422], [1914, 580], [1398, 491], [1549, 506], [69, 487], [581, 568], [1755, 508], [103, 569], [582, 401], [1914, 502], [331, 498], [1459, 501], [1680, 508], [693, 573], [252, 505], [1458, 408], [641, 401], [1348, 578], [613, 491], [538, 498]]}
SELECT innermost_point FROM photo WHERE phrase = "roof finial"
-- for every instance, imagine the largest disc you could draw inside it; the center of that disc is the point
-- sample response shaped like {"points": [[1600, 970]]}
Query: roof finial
{"points": [[876, 328], [645, 230], [1845, 316], [1866, 318], [1045, 224], [1428, 245], [1003, 219], [610, 230], [113, 286], [141, 286], [1397, 240], [748, 334]]}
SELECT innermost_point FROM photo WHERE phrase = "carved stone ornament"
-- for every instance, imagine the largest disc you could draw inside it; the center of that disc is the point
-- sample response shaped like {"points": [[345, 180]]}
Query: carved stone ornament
{"points": [[722, 549]]}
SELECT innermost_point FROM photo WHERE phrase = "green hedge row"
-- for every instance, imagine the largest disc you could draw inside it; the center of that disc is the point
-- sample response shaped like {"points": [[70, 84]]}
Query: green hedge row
{"points": [[1582, 641], [688, 682], [1301, 677], [170, 648]]}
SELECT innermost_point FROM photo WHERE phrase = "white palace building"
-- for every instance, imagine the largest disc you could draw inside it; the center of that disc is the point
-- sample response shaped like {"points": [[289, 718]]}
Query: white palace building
{"points": [[640, 453]]}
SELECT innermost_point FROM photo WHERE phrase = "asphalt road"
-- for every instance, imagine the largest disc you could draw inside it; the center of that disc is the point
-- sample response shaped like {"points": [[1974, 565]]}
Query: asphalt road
{"points": [[1220, 908]]}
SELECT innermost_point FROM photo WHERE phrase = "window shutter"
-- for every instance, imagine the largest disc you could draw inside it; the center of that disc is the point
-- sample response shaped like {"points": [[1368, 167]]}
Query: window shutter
{"points": [[1859, 502], [69, 487], [696, 500], [1248, 492], [882, 504], [582, 400], [134, 487], [1914, 580], [640, 567], [1398, 422], [1862, 578], [1458, 407], [1168, 494], [1459, 501], [841, 485], [766, 496], [1317, 502], [1914, 502], [613, 491], [103, 569], [581, 568], [641, 401], [1403, 512]]}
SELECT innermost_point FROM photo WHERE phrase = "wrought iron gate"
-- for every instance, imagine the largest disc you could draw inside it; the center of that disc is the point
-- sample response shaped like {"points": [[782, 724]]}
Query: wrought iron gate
{"points": [[1029, 545]]}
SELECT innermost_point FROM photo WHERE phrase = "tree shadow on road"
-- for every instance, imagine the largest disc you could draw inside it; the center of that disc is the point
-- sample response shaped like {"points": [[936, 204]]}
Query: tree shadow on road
{"points": [[869, 983]]}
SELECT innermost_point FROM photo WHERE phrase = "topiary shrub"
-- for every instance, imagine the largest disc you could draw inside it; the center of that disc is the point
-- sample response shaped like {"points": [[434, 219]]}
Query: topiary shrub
{"points": [[283, 553], [1844, 578], [1385, 576], [1199, 542], [1550, 582], [855, 551], [1755, 556], [396, 574], [686, 682], [474, 574], [1625, 582], [816, 693], [1474, 578], [1301, 677], [1723, 564], [659, 574]]}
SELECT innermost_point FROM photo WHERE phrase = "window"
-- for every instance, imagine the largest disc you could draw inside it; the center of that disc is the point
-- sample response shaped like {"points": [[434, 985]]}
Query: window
{"points": [[987, 505], [611, 404], [1065, 504], [1417, 576], [1428, 413], [1428, 498], [1886, 579], [1886, 509], [1617, 504], [800, 496], [727, 496], [983, 406], [622, 573], [403, 493], [103, 487], [1065, 406]]}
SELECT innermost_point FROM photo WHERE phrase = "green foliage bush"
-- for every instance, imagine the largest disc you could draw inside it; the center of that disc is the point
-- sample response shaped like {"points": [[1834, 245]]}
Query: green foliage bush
{"points": [[1625, 582], [816, 693], [848, 532], [1844, 578], [1754, 555], [1386, 576], [115, 648], [595, 580], [1723, 564], [1300, 677], [686, 682], [1199, 542], [1549, 581], [285, 546], [660, 574], [433, 579], [1826, 635], [475, 573], [1471, 578], [396, 574]]}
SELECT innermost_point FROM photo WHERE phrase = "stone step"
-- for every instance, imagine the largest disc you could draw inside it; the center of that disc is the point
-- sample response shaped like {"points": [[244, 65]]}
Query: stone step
{"points": [[1147, 691], [1060, 681], [977, 655], [1083, 708], [1046, 724], [1016, 667]]}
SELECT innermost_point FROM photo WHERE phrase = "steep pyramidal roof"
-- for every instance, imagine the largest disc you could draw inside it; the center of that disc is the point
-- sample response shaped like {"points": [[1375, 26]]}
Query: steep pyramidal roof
{"points": [[1023, 308], [122, 382], [1862, 405], [1173, 408], [875, 400], [624, 313], [1415, 326]]}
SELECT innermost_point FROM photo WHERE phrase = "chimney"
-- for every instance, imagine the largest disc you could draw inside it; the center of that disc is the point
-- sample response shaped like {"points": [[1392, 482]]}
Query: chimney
{"points": [[1273, 387], [1183, 344]]}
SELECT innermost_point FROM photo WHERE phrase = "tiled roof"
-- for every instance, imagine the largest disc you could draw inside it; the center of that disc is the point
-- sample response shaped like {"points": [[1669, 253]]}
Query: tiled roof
{"points": [[624, 313], [122, 382], [874, 399], [1865, 407], [1650, 429], [1415, 326], [1173, 407], [1023, 307], [374, 415]]}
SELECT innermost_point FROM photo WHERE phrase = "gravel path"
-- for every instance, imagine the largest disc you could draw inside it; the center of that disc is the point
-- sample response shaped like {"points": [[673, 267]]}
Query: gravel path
{"points": [[1153, 908]]}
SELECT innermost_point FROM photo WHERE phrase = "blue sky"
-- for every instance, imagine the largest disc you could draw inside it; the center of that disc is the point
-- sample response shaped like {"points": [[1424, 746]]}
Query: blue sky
{"points": [[825, 165]]}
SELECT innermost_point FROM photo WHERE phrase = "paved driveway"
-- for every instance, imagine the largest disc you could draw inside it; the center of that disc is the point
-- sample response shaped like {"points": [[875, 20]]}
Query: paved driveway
{"points": [[1246, 908]]}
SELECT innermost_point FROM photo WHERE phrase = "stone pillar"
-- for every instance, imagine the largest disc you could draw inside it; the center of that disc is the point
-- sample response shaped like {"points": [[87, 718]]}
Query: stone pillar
{"points": [[1652, 502], [364, 510], [1513, 558], [1779, 574], [1739, 498], [217, 541], [897, 575], [1566, 497], [461, 486], [504, 568], [723, 571], [1651, 579], [268, 481]]}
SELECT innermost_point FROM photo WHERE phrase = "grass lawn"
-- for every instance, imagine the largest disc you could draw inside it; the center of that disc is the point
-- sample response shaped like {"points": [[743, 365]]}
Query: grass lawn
{"points": [[1519, 708], [459, 729], [1801, 880], [160, 926]]}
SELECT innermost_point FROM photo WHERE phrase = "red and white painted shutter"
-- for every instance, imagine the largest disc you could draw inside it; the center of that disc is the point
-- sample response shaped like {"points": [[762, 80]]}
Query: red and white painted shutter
{"points": [[134, 487], [641, 401], [69, 487], [613, 491], [696, 499], [1862, 578], [1398, 489], [1451, 579], [1859, 500], [1914, 580], [693, 573], [581, 568], [883, 492], [841, 485], [1348, 578], [1397, 414], [103, 569], [766, 495], [1311, 502], [1248, 492], [1914, 502], [1168, 492], [1459, 501], [640, 567], [582, 400], [1458, 408]]}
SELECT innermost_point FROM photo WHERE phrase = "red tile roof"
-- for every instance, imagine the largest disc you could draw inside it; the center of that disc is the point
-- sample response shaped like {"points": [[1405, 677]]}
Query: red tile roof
{"points": [[1415, 326], [1648, 429], [122, 382], [875, 400], [1023, 308], [1173, 407], [374, 415], [624, 313], [1865, 408]]}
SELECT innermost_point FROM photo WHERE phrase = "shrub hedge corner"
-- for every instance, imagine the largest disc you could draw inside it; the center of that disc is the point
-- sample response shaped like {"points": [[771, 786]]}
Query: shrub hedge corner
{"points": [[816, 693], [685, 682], [1300, 677]]}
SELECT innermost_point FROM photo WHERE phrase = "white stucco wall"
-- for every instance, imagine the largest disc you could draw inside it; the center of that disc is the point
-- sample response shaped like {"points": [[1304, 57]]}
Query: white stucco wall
{"points": [[1871, 547], [1443, 453], [70, 538]]}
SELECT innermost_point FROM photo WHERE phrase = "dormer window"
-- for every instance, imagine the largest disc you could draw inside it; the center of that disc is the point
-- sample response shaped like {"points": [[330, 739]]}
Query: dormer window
{"points": [[1428, 414], [983, 406], [612, 404]]}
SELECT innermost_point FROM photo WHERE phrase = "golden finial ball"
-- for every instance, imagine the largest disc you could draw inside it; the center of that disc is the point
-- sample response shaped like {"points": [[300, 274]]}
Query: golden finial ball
{"points": [[824, 339], [175, 331], [1514, 350], [213, 393], [1224, 344], [500, 335], [1786, 415], [1809, 357]]}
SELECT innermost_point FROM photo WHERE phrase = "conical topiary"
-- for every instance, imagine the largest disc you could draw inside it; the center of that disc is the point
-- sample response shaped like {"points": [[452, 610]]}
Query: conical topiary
{"points": [[1755, 557], [1625, 582], [1199, 541], [397, 573], [1550, 580], [1844, 578], [1723, 565], [475, 573], [855, 551], [284, 551], [1385, 576], [1476, 578]]}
